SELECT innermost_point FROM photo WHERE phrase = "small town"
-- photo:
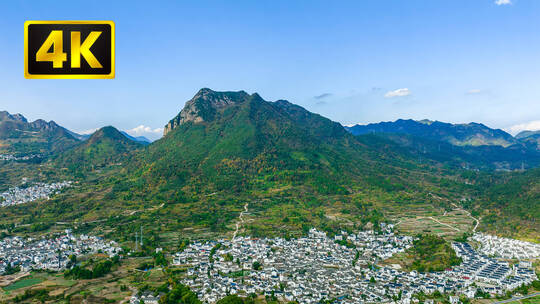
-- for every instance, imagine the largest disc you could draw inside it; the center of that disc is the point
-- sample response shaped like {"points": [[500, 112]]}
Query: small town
{"points": [[316, 268], [50, 253], [21, 195]]}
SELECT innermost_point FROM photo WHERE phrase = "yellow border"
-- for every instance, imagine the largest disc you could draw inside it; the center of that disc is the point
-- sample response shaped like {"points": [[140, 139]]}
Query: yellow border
{"points": [[68, 76]]}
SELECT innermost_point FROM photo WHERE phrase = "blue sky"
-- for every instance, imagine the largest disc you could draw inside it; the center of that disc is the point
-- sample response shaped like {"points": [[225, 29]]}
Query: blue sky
{"points": [[352, 61]]}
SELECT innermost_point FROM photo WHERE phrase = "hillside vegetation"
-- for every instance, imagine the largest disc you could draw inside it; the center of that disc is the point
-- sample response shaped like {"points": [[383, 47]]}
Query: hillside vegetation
{"points": [[20, 137], [105, 147], [226, 152], [431, 253]]}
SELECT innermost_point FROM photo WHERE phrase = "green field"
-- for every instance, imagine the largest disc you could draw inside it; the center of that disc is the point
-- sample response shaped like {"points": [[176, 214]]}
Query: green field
{"points": [[23, 283]]}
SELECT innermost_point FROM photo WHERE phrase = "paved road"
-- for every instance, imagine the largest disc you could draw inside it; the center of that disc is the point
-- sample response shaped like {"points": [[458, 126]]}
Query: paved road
{"points": [[519, 298]]}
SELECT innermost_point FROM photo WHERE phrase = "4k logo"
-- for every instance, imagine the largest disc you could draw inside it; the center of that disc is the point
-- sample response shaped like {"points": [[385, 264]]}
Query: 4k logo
{"points": [[69, 49]]}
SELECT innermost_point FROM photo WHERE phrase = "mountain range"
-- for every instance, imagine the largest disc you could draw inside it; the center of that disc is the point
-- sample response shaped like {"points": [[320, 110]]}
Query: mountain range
{"points": [[471, 134], [471, 145], [295, 169], [19, 136]]}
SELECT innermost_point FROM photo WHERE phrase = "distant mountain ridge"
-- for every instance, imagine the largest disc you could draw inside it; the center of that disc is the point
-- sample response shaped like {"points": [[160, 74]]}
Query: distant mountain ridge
{"points": [[472, 145], [525, 134], [139, 139], [530, 138], [471, 134], [104, 147], [19, 136]]}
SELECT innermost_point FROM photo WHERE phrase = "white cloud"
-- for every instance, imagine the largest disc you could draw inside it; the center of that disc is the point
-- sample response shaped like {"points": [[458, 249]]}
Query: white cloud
{"points": [[88, 132], [474, 91], [503, 2], [527, 126], [398, 93], [142, 130]]}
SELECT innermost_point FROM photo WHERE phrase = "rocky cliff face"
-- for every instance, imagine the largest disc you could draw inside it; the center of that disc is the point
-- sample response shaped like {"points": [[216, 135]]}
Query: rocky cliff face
{"points": [[5, 116], [204, 106]]}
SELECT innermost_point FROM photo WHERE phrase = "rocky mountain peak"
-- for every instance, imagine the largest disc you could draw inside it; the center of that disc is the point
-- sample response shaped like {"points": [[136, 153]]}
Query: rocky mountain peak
{"points": [[44, 125], [4, 115], [205, 105]]}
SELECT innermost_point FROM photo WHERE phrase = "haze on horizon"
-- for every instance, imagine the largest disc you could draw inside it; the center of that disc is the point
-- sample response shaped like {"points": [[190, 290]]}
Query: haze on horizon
{"points": [[356, 62]]}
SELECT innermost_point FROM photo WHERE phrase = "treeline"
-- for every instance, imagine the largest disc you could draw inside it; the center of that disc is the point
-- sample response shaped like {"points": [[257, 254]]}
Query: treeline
{"points": [[41, 294], [180, 294], [99, 270], [432, 253]]}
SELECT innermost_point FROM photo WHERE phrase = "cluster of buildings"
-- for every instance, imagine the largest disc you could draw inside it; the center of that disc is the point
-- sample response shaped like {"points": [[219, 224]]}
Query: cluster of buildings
{"points": [[21, 195], [51, 254], [492, 245], [495, 276], [9, 157], [317, 267]]}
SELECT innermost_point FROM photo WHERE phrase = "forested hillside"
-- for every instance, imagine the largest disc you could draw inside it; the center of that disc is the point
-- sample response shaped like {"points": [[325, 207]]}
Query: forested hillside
{"points": [[228, 152]]}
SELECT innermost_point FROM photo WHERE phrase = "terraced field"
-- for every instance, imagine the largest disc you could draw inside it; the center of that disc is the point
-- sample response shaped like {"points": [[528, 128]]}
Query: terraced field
{"points": [[448, 225]]}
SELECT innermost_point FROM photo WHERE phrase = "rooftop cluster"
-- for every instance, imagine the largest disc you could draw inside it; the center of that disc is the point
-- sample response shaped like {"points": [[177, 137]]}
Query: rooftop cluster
{"points": [[21, 195], [480, 268], [51, 254], [492, 245], [317, 267]]}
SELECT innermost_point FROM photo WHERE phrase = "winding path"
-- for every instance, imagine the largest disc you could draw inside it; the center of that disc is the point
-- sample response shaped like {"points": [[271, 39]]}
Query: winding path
{"points": [[477, 220], [441, 223], [447, 225], [241, 218]]}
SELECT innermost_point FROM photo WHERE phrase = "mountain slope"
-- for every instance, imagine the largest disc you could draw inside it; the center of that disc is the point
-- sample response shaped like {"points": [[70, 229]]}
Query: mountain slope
{"points": [[530, 138], [18, 136], [226, 152], [106, 146], [226, 149], [509, 203], [525, 134], [457, 145], [224, 139], [471, 134]]}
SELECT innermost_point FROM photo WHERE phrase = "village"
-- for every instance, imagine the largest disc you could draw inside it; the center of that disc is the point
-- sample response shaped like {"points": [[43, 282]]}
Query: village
{"points": [[21, 195], [317, 267], [50, 253]]}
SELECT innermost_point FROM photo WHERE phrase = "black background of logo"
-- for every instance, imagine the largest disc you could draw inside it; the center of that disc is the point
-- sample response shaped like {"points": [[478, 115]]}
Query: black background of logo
{"points": [[38, 33]]}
